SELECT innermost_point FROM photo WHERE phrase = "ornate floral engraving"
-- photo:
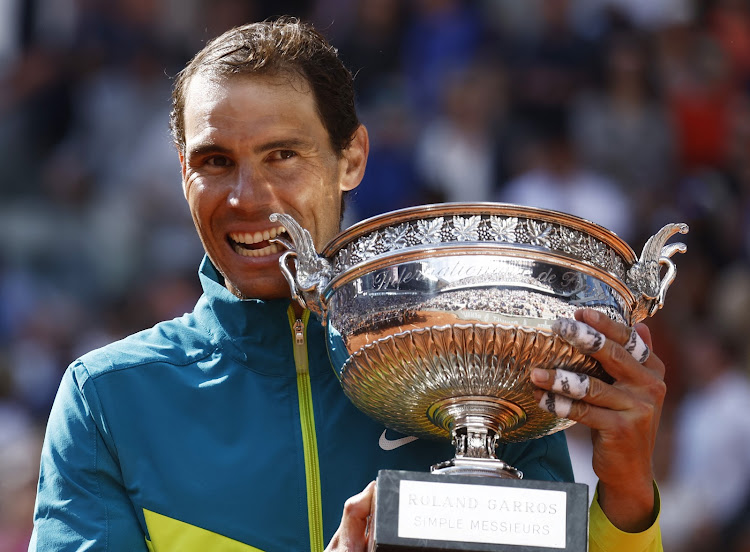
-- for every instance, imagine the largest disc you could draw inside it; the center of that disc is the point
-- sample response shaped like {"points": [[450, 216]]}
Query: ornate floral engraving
{"points": [[600, 255], [482, 228], [466, 228], [355, 253], [575, 242], [503, 229], [370, 244], [397, 236], [540, 233], [430, 230]]}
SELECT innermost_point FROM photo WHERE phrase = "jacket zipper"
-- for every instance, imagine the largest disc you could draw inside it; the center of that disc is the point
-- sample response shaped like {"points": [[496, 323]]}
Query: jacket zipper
{"points": [[307, 422]]}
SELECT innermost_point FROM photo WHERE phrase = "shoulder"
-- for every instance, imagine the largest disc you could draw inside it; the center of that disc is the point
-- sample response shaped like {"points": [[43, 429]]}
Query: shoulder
{"points": [[177, 342]]}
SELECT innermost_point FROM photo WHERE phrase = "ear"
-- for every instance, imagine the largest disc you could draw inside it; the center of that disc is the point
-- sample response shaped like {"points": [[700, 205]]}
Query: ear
{"points": [[355, 159], [181, 153]]}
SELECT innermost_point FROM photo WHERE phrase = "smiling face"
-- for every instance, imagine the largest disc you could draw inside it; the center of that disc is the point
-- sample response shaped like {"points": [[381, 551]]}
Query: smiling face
{"points": [[255, 145]]}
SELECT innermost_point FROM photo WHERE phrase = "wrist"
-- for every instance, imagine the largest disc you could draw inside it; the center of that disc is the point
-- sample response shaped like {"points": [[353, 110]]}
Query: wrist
{"points": [[630, 507]]}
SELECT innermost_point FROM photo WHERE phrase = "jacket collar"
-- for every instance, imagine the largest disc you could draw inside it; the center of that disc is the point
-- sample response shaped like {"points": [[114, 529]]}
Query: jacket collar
{"points": [[245, 326]]}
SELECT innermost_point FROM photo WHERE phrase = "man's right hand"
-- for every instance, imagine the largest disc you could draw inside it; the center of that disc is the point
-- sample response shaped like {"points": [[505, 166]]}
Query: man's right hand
{"points": [[351, 535]]}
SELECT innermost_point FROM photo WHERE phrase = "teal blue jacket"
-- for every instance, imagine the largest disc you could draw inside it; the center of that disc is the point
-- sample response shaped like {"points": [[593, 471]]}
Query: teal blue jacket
{"points": [[219, 430]]}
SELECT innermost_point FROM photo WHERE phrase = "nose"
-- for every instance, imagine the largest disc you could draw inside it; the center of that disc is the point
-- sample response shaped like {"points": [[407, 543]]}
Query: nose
{"points": [[249, 188]]}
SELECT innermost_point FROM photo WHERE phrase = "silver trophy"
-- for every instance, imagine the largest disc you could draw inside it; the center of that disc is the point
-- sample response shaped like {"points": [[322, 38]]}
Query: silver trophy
{"points": [[436, 314]]}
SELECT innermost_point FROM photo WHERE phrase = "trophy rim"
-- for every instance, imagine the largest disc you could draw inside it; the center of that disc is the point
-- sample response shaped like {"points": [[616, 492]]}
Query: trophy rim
{"points": [[431, 210], [419, 253]]}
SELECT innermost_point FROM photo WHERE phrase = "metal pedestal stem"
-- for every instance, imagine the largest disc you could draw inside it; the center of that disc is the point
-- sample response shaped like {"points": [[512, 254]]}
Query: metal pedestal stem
{"points": [[476, 424]]}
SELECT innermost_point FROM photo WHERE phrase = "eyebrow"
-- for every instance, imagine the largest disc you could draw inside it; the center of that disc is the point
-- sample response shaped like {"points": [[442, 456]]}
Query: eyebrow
{"points": [[285, 143], [206, 149]]}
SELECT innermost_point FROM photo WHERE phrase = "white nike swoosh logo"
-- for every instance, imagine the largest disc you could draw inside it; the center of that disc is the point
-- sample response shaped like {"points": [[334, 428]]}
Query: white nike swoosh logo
{"points": [[390, 444]]}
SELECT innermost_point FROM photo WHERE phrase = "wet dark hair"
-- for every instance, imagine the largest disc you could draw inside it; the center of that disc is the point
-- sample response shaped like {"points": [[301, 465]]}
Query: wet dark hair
{"points": [[276, 47]]}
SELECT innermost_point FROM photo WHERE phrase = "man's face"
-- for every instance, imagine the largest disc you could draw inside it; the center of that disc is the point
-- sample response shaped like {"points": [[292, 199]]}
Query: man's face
{"points": [[255, 145]]}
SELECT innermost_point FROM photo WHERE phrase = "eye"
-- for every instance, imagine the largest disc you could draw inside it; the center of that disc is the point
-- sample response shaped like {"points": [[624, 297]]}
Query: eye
{"points": [[219, 161], [283, 154]]}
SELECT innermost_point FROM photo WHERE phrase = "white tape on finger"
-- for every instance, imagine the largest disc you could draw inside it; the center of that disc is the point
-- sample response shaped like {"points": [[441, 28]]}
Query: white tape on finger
{"points": [[582, 336], [556, 404], [637, 347], [571, 384]]}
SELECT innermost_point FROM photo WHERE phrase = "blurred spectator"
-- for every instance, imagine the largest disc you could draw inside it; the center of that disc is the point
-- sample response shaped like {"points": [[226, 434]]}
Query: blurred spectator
{"points": [[20, 446], [9, 42], [442, 36], [623, 130], [729, 309], [372, 49], [650, 15], [549, 67], [711, 458], [557, 180], [729, 22], [35, 105], [701, 100], [457, 152]]}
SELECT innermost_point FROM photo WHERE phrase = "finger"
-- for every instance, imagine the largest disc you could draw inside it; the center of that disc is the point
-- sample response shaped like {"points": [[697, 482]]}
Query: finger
{"points": [[358, 507], [626, 336], [570, 384], [645, 333], [637, 347], [579, 334], [617, 332], [555, 404], [588, 340], [610, 352], [595, 417], [620, 333], [578, 387], [352, 532]]}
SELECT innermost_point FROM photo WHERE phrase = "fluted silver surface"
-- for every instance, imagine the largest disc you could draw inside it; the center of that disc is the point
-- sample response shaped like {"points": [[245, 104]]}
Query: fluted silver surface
{"points": [[409, 379]]}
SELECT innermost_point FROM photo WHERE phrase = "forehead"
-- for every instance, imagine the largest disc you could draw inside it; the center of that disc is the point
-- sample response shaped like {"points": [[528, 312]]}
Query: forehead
{"points": [[210, 90], [249, 101]]}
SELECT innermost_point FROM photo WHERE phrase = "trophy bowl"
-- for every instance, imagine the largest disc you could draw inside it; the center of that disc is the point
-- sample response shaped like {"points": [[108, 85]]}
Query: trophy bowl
{"points": [[435, 315]]}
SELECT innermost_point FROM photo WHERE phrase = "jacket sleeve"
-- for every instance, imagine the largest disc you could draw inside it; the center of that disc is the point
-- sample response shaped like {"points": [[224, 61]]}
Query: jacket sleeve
{"points": [[605, 537], [81, 500]]}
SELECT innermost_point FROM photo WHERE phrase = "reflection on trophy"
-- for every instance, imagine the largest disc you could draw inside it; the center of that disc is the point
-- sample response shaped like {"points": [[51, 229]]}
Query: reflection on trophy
{"points": [[435, 316]]}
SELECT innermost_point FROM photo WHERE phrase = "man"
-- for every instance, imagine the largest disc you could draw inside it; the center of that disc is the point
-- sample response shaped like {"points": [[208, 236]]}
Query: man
{"points": [[226, 429]]}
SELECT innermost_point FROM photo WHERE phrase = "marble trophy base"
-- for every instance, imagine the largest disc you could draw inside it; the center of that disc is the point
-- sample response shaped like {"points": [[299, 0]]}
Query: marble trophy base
{"points": [[416, 511]]}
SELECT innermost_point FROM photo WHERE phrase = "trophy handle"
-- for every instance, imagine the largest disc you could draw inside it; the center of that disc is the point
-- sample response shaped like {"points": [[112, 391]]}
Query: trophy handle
{"points": [[311, 271], [644, 277]]}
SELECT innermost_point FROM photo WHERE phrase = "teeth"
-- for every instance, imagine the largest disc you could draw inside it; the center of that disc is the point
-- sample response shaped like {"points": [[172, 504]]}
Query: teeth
{"points": [[256, 237], [268, 250]]}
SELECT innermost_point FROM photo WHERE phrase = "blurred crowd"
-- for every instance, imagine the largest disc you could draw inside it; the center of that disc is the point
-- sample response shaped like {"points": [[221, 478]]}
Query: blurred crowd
{"points": [[631, 113]]}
